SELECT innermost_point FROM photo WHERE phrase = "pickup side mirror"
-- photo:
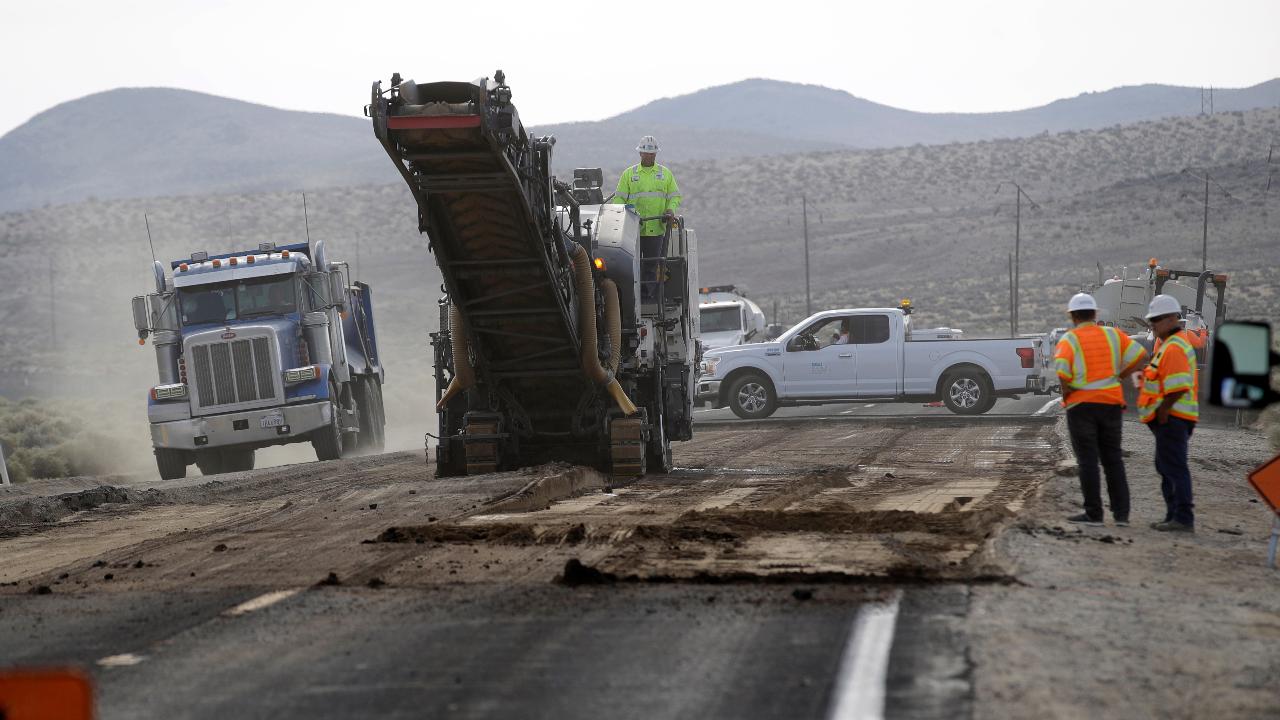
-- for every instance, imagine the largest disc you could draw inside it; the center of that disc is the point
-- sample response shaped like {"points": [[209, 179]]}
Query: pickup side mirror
{"points": [[1240, 366]]}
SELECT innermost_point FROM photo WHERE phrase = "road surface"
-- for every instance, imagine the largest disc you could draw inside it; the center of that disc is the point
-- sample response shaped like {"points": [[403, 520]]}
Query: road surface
{"points": [[798, 567]]}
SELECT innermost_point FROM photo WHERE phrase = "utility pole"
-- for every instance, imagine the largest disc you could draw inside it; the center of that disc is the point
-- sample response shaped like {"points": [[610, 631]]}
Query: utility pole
{"points": [[1017, 248], [1204, 238], [1204, 243], [804, 214], [53, 311], [1012, 326], [1017, 259]]}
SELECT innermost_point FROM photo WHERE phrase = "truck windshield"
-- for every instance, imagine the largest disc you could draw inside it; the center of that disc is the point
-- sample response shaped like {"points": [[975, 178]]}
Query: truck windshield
{"points": [[240, 299], [720, 319]]}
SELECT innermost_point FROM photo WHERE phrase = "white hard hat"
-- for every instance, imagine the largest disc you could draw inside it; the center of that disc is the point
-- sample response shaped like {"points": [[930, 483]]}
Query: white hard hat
{"points": [[1081, 301], [1163, 305], [648, 144]]}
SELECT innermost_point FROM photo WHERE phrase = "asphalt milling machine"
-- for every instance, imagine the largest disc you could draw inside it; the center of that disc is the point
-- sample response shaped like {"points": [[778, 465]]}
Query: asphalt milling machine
{"points": [[557, 341]]}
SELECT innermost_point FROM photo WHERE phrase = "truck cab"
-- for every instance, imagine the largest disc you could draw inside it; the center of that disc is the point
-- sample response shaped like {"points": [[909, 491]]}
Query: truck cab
{"points": [[728, 317], [258, 348]]}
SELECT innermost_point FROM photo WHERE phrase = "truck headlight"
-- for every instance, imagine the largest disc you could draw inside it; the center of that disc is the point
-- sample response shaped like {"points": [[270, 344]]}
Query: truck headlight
{"points": [[708, 367], [176, 391], [302, 374]]}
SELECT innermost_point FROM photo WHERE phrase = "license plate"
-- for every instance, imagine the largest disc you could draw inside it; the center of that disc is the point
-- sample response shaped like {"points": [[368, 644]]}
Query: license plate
{"points": [[272, 421]]}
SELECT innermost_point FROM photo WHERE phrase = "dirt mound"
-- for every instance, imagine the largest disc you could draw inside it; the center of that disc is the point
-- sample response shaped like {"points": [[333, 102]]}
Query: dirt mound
{"points": [[45, 510]]}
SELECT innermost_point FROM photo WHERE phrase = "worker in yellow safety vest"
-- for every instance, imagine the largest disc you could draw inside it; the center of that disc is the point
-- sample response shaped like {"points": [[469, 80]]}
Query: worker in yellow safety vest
{"points": [[1090, 360], [1169, 405], [651, 188]]}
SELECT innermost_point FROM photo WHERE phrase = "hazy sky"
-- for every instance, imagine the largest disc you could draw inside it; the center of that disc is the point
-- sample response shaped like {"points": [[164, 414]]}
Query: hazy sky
{"points": [[585, 61]]}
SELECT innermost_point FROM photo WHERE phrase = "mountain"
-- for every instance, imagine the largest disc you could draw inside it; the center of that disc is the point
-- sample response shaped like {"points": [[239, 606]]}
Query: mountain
{"points": [[147, 142], [140, 142], [837, 118]]}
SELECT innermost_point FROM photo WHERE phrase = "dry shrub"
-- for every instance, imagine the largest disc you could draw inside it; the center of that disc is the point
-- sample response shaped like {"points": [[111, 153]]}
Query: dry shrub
{"points": [[47, 440]]}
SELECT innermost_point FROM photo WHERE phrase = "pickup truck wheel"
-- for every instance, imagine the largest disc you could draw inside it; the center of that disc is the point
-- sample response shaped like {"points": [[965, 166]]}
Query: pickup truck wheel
{"points": [[327, 440], [171, 463], [968, 392], [751, 397]]}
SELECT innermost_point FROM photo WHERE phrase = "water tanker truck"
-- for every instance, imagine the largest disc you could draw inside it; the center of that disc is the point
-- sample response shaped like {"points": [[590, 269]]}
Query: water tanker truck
{"points": [[257, 348]]}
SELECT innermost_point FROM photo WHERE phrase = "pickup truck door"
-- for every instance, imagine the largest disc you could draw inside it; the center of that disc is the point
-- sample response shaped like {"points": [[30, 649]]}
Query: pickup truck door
{"points": [[879, 360], [827, 371]]}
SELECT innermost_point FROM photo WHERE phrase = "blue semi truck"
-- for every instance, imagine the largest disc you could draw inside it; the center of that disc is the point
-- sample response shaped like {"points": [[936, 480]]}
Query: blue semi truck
{"points": [[258, 348]]}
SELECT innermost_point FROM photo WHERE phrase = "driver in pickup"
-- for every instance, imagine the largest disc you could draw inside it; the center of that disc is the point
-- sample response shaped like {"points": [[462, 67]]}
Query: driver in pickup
{"points": [[842, 337]]}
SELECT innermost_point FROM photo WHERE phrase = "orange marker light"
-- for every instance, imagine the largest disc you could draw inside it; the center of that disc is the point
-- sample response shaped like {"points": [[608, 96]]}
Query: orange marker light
{"points": [[1152, 262], [142, 341], [233, 261], [217, 263], [249, 259], [284, 253], [599, 263], [182, 267]]}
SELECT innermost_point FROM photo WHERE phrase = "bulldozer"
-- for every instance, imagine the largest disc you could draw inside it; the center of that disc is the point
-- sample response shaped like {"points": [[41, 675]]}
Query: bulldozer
{"points": [[557, 340]]}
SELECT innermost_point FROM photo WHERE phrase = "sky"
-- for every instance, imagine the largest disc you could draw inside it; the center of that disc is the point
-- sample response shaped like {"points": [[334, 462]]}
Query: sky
{"points": [[587, 61]]}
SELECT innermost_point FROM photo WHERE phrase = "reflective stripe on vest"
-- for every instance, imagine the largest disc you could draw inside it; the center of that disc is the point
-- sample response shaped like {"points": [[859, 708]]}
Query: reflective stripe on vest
{"points": [[1154, 388], [1105, 389]]}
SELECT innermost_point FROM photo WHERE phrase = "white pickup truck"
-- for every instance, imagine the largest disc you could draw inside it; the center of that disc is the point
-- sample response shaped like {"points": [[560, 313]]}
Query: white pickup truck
{"points": [[869, 354]]}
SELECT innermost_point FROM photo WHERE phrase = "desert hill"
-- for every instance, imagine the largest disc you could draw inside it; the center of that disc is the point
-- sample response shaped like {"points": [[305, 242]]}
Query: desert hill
{"points": [[150, 142]]}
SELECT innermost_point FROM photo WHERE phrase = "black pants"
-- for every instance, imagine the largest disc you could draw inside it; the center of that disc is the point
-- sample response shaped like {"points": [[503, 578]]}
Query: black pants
{"points": [[1172, 439], [1095, 434]]}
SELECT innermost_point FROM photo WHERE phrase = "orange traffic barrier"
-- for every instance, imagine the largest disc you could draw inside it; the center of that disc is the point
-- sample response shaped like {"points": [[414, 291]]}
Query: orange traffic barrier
{"points": [[45, 695]]}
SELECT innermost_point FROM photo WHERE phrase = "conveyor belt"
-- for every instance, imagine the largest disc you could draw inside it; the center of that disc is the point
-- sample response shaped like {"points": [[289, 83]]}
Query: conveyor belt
{"points": [[484, 195]]}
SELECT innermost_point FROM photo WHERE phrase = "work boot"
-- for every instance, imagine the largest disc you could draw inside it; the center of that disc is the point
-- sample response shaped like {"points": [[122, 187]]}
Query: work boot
{"points": [[1083, 519], [1122, 522], [1174, 526]]}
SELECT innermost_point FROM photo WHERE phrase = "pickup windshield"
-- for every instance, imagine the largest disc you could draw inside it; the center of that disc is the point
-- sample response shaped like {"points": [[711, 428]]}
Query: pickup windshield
{"points": [[223, 302], [720, 319]]}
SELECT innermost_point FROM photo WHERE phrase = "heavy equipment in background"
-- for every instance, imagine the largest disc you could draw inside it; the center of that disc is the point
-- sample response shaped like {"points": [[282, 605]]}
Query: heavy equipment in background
{"points": [[557, 341], [728, 317], [1123, 300], [258, 348]]}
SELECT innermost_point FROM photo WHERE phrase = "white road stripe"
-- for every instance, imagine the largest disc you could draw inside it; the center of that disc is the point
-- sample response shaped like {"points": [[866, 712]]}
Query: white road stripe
{"points": [[1047, 407], [262, 601], [860, 683], [846, 412], [869, 405], [123, 660]]}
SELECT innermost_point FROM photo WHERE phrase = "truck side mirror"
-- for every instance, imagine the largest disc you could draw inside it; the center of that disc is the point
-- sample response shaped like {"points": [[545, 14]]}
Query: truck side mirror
{"points": [[1240, 367], [337, 290], [141, 317]]}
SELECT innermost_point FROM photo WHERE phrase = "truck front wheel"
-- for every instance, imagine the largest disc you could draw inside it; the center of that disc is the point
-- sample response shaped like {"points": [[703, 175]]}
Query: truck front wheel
{"points": [[968, 392], [327, 440], [210, 462], [237, 460], [751, 397], [171, 463]]}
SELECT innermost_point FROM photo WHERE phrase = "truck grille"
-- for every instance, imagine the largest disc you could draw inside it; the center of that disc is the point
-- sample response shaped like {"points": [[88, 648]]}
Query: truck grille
{"points": [[238, 371]]}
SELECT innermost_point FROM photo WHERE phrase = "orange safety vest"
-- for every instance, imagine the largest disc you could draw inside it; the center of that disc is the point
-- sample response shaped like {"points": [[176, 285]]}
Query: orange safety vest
{"points": [[1172, 368], [1090, 359]]}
